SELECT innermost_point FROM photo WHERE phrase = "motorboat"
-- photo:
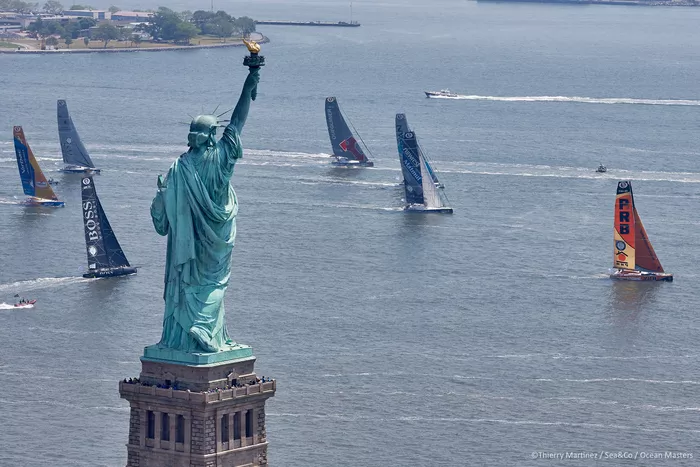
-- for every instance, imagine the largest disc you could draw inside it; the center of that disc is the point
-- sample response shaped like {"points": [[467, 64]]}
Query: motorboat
{"points": [[441, 93]]}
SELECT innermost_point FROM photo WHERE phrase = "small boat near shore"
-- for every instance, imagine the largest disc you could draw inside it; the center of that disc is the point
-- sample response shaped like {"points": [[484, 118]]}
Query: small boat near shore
{"points": [[601, 169], [441, 93], [634, 257], [346, 149], [34, 183]]}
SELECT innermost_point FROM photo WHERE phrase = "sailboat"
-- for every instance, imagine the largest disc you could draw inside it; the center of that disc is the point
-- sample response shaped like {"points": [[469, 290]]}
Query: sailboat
{"points": [[346, 149], [634, 257], [421, 194], [401, 129], [34, 182], [75, 156], [104, 254]]}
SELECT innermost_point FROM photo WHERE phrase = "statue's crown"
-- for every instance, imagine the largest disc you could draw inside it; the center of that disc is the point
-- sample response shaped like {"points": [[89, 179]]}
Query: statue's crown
{"points": [[203, 123]]}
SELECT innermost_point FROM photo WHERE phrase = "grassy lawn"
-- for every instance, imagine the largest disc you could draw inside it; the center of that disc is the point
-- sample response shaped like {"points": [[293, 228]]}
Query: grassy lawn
{"points": [[7, 45]]}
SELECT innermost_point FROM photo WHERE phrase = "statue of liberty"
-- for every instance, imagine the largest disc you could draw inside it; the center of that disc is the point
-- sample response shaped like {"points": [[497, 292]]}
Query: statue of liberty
{"points": [[196, 207]]}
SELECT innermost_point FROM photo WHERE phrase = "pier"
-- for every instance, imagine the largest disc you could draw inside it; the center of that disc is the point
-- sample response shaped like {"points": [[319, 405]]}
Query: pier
{"points": [[341, 24]]}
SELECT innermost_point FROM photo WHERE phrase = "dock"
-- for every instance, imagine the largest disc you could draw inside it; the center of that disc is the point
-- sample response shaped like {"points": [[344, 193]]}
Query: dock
{"points": [[340, 24]]}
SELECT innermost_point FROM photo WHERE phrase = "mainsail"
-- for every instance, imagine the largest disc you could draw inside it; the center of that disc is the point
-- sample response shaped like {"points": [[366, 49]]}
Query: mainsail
{"points": [[401, 128], [632, 249], [34, 182], [74, 153], [343, 142], [103, 250], [411, 168]]}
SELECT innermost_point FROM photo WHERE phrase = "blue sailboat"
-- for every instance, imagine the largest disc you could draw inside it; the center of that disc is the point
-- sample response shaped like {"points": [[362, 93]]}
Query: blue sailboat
{"points": [[401, 128], [346, 148], [104, 254], [421, 192], [75, 156], [34, 183]]}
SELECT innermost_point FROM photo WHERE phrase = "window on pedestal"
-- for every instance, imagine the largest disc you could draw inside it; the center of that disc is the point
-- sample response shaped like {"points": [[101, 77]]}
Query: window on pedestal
{"points": [[224, 428], [237, 426], [151, 425], [249, 424], [180, 431], [164, 427]]}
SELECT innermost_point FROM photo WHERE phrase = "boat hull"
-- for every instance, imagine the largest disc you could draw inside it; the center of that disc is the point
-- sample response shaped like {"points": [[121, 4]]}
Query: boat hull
{"points": [[96, 273], [423, 209], [438, 94], [51, 203], [352, 164], [77, 169], [656, 277]]}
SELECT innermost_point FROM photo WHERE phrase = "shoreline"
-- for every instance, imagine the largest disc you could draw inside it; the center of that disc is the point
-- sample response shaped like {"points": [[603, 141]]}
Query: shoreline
{"points": [[26, 51]]}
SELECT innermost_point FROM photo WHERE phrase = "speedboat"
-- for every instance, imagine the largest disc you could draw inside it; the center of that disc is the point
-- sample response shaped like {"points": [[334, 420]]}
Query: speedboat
{"points": [[601, 169], [441, 93], [25, 304]]}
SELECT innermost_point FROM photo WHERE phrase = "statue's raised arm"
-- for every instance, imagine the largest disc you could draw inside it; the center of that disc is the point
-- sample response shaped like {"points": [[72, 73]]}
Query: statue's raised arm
{"points": [[250, 87]]}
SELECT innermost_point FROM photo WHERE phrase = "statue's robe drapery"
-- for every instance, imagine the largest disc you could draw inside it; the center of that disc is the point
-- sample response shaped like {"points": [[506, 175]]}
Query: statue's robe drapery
{"points": [[197, 211]]}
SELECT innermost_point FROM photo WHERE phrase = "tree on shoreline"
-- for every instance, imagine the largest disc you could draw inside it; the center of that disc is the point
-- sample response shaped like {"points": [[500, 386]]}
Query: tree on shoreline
{"points": [[105, 32], [86, 41]]}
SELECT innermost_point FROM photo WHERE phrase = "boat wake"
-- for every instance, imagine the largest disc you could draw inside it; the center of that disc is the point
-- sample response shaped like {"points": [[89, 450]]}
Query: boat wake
{"points": [[10, 306], [532, 170], [577, 99], [41, 283]]}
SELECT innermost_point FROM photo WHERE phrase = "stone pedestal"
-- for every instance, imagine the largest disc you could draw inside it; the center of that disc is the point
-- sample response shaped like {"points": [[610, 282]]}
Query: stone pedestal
{"points": [[185, 415]]}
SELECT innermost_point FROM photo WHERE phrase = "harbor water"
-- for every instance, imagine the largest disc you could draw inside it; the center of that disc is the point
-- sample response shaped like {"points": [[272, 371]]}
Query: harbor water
{"points": [[490, 337]]}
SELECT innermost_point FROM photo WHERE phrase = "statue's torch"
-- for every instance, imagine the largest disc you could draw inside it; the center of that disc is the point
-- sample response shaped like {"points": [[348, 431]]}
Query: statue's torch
{"points": [[253, 61]]}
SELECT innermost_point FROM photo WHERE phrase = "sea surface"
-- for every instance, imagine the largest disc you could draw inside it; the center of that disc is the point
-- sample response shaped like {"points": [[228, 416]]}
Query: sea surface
{"points": [[396, 339]]}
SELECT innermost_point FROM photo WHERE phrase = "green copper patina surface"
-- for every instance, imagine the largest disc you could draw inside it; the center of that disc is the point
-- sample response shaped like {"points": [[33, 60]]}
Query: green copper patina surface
{"points": [[195, 206]]}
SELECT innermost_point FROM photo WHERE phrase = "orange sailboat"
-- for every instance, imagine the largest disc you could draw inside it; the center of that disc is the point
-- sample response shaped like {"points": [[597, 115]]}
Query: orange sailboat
{"points": [[34, 182], [634, 257]]}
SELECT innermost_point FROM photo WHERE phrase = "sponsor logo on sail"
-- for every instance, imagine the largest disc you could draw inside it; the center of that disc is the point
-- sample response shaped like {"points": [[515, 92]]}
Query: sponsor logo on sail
{"points": [[91, 226]]}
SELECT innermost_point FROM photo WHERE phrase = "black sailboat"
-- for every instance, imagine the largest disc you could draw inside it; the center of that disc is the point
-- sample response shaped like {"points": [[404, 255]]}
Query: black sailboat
{"points": [[346, 149], [75, 156], [104, 254]]}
